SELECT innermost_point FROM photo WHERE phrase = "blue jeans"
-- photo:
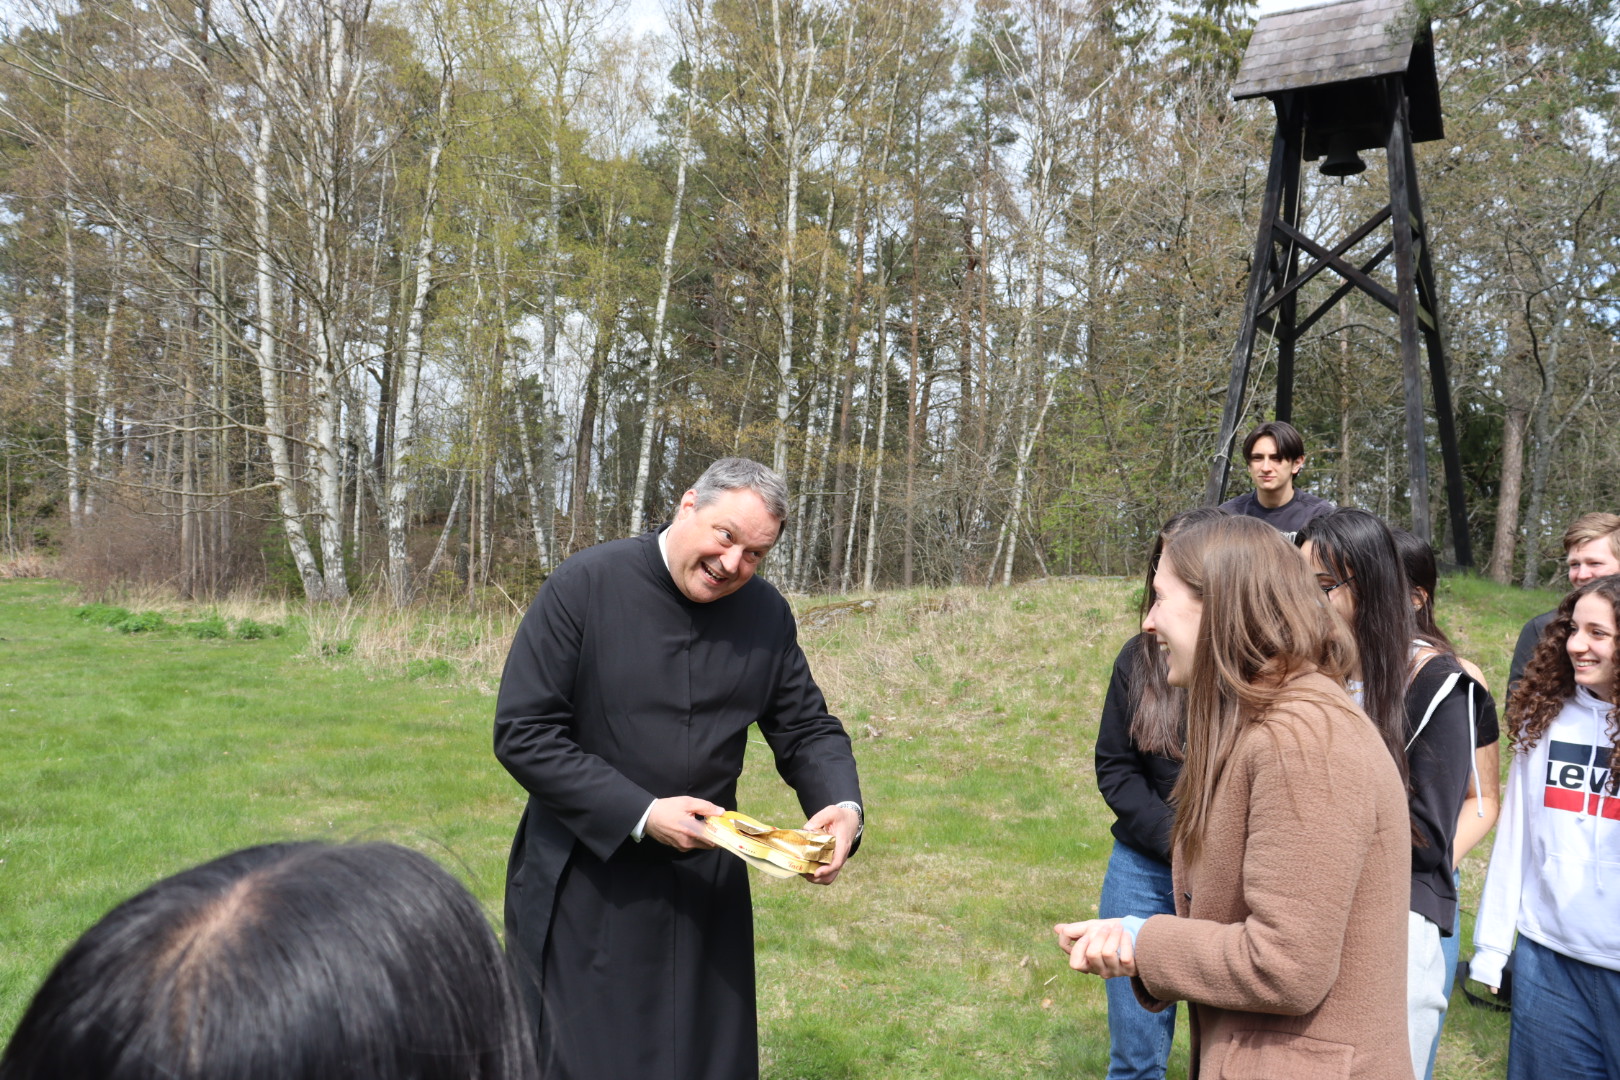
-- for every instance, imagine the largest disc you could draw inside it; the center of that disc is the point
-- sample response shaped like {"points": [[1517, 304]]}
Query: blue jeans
{"points": [[1452, 948], [1566, 1017], [1138, 1040]]}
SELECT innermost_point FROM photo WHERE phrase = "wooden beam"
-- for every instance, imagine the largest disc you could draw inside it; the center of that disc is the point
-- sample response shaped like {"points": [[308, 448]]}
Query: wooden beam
{"points": [[1367, 285], [1400, 188], [1285, 144], [1319, 265], [1343, 290]]}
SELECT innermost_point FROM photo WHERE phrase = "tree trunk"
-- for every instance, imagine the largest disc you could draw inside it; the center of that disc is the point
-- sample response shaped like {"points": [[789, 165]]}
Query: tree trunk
{"points": [[666, 274], [327, 314], [275, 417], [880, 367], [840, 538], [579, 507], [860, 477], [408, 372], [818, 344], [444, 533], [539, 508], [100, 448], [1541, 453], [1026, 449], [70, 363], [1500, 569]]}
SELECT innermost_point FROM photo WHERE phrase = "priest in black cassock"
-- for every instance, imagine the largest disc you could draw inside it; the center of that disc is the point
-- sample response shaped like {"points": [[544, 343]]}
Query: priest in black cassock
{"points": [[624, 712]]}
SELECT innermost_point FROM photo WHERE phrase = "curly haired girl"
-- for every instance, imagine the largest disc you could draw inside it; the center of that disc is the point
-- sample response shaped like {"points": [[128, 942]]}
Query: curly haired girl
{"points": [[1555, 870]]}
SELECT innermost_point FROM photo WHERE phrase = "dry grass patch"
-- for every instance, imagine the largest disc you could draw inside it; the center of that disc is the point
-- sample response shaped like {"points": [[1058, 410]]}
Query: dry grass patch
{"points": [[22, 566]]}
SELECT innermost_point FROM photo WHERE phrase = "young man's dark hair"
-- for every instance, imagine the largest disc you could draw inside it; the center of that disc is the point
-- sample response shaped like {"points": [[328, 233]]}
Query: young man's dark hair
{"points": [[284, 962], [1290, 444], [1274, 453]]}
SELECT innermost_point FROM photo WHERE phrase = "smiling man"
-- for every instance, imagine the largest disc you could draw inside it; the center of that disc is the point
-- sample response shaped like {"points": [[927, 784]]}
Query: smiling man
{"points": [[1275, 453], [1591, 550], [624, 712]]}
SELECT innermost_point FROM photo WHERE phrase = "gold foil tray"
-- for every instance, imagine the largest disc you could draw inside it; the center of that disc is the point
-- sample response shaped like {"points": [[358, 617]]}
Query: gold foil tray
{"points": [[779, 852]]}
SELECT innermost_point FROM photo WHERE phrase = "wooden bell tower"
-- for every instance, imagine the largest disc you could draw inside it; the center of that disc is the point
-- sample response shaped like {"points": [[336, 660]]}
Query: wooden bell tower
{"points": [[1345, 77]]}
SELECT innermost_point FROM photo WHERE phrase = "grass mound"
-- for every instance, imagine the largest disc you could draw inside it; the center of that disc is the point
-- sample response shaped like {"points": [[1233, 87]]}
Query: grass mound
{"points": [[128, 756]]}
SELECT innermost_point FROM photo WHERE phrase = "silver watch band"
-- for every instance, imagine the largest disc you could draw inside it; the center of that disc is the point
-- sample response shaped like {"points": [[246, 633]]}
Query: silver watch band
{"points": [[860, 815]]}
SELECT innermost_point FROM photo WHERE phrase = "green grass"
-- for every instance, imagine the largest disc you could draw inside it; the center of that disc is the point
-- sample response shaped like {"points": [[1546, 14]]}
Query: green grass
{"points": [[129, 755]]}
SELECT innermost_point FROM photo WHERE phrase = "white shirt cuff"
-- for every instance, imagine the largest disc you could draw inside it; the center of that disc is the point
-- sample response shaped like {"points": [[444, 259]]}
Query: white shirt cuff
{"points": [[1486, 966], [641, 826]]}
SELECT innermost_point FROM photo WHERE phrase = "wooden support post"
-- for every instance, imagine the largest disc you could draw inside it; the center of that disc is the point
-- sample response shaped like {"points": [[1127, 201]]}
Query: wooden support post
{"points": [[1400, 213], [1285, 146], [1288, 310], [1434, 340]]}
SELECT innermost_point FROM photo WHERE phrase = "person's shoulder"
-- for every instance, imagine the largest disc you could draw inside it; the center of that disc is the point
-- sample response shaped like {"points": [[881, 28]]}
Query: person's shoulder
{"points": [[1302, 509], [1313, 503], [761, 600], [1312, 709], [1530, 636], [1239, 504], [1308, 697], [611, 556], [1432, 676], [1127, 652]]}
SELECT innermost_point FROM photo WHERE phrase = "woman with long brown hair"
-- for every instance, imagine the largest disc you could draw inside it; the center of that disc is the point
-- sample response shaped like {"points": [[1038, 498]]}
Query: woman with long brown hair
{"points": [[1291, 839], [1138, 758], [1555, 867]]}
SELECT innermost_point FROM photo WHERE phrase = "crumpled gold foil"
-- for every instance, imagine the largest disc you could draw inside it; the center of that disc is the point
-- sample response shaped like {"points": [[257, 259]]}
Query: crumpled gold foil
{"points": [[778, 852]]}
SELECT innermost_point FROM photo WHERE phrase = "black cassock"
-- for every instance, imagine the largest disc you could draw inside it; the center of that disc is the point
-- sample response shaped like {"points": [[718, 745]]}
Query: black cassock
{"points": [[638, 959]]}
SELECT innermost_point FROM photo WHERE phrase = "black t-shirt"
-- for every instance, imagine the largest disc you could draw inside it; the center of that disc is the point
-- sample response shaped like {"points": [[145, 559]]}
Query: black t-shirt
{"points": [[1441, 760], [1288, 518], [1136, 784], [1525, 648]]}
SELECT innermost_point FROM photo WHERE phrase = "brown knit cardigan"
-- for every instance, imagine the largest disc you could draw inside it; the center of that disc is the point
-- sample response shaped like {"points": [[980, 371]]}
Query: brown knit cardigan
{"points": [[1289, 938]]}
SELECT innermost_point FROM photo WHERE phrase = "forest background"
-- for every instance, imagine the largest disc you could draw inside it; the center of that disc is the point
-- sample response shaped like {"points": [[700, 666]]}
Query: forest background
{"points": [[419, 296]]}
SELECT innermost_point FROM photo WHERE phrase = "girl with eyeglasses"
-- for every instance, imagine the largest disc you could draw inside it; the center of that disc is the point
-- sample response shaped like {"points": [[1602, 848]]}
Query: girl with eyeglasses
{"points": [[1431, 714]]}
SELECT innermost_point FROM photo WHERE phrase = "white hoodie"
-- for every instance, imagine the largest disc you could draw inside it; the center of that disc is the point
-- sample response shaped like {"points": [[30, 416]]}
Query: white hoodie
{"points": [[1555, 867]]}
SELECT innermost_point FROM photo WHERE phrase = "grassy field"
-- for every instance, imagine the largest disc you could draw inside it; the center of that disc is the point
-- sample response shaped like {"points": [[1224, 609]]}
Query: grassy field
{"points": [[129, 755]]}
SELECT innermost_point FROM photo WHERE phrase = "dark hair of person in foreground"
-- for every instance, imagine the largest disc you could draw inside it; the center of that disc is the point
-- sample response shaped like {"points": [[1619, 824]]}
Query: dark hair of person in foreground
{"points": [[1422, 576], [1358, 550], [299, 961]]}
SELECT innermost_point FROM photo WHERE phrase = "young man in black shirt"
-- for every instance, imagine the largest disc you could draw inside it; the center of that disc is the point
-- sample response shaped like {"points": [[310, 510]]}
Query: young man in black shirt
{"points": [[1275, 453]]}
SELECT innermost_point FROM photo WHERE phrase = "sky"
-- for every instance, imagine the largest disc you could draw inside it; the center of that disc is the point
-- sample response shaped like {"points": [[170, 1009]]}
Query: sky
{"points": [[643, 16]]}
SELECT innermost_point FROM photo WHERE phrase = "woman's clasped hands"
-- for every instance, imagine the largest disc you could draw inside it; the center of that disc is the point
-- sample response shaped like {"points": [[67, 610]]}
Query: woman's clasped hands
{"points": [[1098, 946]]}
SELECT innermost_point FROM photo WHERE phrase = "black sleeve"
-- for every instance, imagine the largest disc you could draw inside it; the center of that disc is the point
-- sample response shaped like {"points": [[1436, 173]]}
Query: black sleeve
{"points": [[1441, 757], [1144, 817], [812, 750], [1526, 647], [1487, 730], [534, 717]]}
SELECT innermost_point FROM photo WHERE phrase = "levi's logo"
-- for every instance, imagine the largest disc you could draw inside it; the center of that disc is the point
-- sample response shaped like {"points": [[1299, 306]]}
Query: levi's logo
{"points": [[1577, 777]]}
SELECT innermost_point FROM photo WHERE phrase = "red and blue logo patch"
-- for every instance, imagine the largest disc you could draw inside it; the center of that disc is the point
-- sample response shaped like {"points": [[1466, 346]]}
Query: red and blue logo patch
{"points": [[1578, 780]]}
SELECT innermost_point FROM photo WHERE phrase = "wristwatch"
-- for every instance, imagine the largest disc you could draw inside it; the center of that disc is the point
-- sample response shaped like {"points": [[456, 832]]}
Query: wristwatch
{"points": [[860, 815]]}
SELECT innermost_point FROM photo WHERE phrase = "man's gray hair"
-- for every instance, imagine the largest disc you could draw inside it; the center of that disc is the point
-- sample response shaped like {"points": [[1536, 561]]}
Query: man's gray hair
{"points": [[738, 473]]}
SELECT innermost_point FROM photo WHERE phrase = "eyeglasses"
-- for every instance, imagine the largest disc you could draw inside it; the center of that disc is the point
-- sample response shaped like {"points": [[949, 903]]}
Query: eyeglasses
{"points": [[1327, 584]]}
